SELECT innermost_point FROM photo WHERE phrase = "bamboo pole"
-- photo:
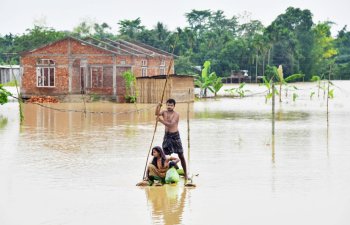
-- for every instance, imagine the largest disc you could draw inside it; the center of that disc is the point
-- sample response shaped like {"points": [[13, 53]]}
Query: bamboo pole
{"points": [[273, 149], [156, 123], [329, 78], [273, 108], [188, 132], [20, 100]]}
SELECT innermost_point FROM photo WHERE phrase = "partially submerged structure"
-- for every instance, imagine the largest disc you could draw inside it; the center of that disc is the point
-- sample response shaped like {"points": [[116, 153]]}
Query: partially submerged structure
{"points": [[9, 73], [237, 77], [178, 87], [73, 66]]}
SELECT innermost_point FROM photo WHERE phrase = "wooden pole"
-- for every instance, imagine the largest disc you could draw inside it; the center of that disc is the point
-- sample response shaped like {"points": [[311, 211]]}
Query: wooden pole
{"points": [[156, 123], [188, 132], [329, 78], [273, 108]]}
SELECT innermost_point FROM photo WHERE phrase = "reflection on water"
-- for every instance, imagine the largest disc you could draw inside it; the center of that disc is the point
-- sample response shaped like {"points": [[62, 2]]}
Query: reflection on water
{"points": [[3, 122], [71, 168], [251, 115], [167, 203]]}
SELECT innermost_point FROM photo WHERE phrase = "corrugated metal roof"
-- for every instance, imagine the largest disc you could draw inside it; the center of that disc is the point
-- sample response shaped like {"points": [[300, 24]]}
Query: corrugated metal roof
{"points": [[109, 45], [9, 66]]}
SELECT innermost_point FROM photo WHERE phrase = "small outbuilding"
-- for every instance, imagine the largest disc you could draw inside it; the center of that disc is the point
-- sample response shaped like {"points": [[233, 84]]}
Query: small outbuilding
{"points": [[9, 73], [178, 87]]}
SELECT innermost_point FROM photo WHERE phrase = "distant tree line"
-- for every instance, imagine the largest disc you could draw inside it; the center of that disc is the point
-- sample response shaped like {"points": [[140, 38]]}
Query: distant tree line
{"points": [[292, 40]]}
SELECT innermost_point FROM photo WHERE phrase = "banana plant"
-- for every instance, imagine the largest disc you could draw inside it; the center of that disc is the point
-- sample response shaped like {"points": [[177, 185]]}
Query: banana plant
{"points": [[284, 81], [216, 84], [317, 79], [208, 80], [240, 91], [268, 85], [321, 84]]}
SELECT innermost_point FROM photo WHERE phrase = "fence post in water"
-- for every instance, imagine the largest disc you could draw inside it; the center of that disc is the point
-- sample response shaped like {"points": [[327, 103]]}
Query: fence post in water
{"points": [[188, 131], [273, 108], [19, 95], [329, 78]]}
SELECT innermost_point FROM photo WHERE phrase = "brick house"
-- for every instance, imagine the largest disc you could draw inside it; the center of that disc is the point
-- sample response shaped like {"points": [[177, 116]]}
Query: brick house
{"points": [[73, 66]]}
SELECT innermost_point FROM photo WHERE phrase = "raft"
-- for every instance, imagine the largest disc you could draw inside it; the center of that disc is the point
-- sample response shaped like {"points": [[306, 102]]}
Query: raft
{"points": [[181, 181]]}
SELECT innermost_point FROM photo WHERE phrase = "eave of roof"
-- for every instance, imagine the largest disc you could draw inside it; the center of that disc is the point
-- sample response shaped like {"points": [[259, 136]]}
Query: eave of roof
{"points": [[138, 48], [164, 76]]}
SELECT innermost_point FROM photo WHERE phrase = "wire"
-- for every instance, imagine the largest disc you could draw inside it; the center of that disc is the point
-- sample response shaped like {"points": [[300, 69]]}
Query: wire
{"points": [[86, 111]]}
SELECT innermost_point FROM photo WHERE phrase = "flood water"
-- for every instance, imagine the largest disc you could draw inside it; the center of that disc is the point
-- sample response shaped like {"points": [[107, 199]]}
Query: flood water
{"points": [[71, 168]]}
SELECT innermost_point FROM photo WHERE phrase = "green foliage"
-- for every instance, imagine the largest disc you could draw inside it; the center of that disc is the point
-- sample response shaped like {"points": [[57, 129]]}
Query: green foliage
{"points": [[331, 93], [312, 95], [315, 78], [292, 40], [130, 85], [130, 28], [293, 77], [90, 28], [4, 94], [271, 73], [208, 80], [130, 98], [216, 85], [267, 83], [3, 122], [95, 97], [295, 95], [10, 84], [33, 38], [240, 91], [183, 65], [269, 95], [324, 49]]}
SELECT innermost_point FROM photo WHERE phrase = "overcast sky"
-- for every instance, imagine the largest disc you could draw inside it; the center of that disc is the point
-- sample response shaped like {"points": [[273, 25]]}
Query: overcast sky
{"points": [[16, 16]]}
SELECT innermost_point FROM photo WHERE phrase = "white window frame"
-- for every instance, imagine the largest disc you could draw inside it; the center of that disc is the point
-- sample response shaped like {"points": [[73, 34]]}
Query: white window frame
{"points": [[144, 62], [97, 77], [162, 62], [41, 65], [143, 71]]}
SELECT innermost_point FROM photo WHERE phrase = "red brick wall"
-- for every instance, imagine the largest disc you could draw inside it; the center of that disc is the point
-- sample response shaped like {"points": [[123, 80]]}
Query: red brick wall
{"points": [[58, 53], [153, 66], [70, 50]]}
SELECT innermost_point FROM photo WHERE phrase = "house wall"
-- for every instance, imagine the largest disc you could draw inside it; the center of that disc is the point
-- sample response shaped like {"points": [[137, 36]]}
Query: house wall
{"points": [[69, 55], [58, 52], [74, 63], [153, 66]]}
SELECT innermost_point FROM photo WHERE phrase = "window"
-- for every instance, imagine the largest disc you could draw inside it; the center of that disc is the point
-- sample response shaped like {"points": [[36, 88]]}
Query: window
{"points": [[162, 63], [122, 62], [96, 76], [144, 71], [45, 73], [144, 62]]}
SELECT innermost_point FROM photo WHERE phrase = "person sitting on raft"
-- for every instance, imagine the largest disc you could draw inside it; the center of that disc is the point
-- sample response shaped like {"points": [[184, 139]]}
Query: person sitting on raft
{"points": [[160, 164]]}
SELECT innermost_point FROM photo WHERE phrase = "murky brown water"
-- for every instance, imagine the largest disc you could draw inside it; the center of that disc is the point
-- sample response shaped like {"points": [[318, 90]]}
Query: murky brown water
{"points": [[67, 168]]}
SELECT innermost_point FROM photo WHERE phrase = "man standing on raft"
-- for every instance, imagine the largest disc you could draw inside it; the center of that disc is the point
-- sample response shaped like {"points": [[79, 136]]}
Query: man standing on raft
{"points": [[171, 142]]}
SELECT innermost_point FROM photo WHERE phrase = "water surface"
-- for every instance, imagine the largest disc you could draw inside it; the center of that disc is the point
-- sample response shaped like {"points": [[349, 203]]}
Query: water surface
{"points": [[68, 167]]}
